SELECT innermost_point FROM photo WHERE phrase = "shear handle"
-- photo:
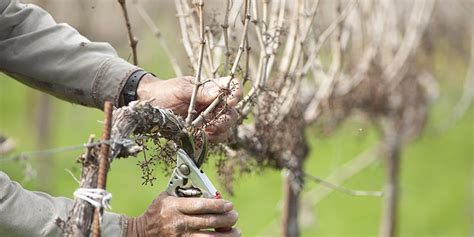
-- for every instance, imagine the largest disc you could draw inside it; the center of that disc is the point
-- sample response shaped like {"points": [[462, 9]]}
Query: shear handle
{"points": [[197, 176]]}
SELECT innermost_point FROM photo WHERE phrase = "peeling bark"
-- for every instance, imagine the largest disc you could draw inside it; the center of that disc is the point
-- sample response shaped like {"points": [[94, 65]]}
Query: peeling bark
{"points": [[138, 117]]}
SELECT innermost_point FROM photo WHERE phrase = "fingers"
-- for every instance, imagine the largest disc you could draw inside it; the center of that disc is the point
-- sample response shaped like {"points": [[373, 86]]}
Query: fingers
{"points": [[219, 129], [235, 87], [219, 137], [175, 216], [192, 206], [207, 233], [213, 88], [207, 221]]}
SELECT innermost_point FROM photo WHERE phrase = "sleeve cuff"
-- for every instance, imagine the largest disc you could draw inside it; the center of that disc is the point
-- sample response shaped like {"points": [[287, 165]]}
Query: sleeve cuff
{"points": [[114, 225], [110, 80]]}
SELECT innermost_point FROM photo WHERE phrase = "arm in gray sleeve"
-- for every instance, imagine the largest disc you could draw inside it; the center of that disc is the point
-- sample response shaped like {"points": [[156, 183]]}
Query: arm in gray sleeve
{"points": [[26, 213], [56, 59]]}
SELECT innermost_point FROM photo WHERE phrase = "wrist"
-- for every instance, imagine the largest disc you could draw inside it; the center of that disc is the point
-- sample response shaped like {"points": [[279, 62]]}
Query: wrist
{"points": [[143, 88], [129, 92], [136, 226]]}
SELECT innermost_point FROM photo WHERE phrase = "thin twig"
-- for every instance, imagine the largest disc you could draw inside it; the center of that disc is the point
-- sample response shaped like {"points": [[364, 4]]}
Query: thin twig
{"points": [[157, 33], [72, 175], [338, 177], [247, 61], [49, 153], [225, 29], [265, 14], [191, 18], [233, 71], [192, 105], [467, 96], [326, 33], [132, 40], [325, 90], [302, 38], [277, 25], [291, 40], [186, 40], [342, 189], [209, 45], [344, 172], [263, 49], [395, 71], [242, 40], [208, 110], [267, 56], [256, 22]]}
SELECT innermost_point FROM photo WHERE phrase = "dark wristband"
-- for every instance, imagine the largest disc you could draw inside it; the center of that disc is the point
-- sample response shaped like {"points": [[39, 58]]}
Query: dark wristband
{"points": [[129, 92]]}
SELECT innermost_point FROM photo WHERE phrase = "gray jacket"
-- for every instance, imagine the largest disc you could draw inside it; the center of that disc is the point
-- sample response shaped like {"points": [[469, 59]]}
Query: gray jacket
{"points": [[25, 213], [56, 59]]}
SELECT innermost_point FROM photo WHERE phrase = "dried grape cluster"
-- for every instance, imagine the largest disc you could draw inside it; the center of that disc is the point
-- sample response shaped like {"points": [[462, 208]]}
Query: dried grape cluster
{"points": [[156, 151]]}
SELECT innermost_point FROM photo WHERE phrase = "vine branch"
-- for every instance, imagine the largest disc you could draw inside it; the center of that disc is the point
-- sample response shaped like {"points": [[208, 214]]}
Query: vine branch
{"points": [[132, 40]]}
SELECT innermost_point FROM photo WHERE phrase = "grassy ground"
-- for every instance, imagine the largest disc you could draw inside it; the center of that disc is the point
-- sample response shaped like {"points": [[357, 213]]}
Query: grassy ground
{"points": [[437, 169]]}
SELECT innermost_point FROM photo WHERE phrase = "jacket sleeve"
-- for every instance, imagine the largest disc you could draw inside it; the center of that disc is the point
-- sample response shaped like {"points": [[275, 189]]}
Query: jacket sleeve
{"points": [[27, 213], [56, 59]]}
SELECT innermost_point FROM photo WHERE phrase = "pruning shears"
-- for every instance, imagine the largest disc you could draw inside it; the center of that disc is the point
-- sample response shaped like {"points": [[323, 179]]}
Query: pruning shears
{"points": [[187, 180]]}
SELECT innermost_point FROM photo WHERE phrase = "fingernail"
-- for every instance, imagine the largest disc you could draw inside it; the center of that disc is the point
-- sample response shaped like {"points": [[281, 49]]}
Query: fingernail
{"points": [[228, 206]]}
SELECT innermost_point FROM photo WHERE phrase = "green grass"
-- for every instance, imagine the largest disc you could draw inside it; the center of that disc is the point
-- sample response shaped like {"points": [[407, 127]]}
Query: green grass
{"points": [[436, 169]]}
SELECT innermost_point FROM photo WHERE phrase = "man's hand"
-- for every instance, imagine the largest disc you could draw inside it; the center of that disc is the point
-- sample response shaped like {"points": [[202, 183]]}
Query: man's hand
{"points": [[175, 94], [194, 217]]}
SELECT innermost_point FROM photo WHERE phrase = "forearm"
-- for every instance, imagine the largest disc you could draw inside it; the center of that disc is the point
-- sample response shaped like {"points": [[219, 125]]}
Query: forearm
{"points": [[55, 58], [26, 213]]}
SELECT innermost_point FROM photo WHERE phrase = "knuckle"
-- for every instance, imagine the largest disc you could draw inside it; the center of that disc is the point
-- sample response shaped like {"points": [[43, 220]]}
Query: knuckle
{"points": [[207, 221], [180, 224], [189, 79], [172, 204], [198, 204], [210, 221], [186, 83]]}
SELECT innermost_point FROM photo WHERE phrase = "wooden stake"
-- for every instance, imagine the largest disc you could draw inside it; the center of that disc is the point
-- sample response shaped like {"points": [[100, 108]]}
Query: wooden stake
{"points": [[103, 164]]}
